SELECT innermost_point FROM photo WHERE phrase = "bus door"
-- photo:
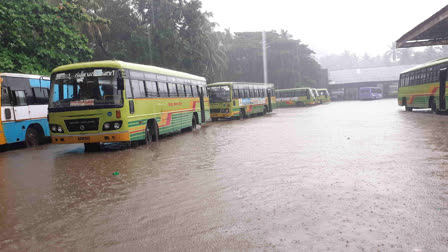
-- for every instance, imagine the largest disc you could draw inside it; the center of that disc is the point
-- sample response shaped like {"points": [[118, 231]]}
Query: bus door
{"points": [[269, 100], [201, 101], [21, 110], [442, 89]]}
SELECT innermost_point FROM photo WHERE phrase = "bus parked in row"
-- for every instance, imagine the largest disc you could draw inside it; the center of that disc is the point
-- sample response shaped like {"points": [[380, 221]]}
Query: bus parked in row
{"points": [[24, 108], [370, 93], [424, 86], [295, 97], [240, 100], [115, 101], [324, 96]]}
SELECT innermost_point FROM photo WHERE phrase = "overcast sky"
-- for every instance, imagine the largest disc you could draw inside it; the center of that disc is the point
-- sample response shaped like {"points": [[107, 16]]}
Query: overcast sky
{"points": [[327, 26]]}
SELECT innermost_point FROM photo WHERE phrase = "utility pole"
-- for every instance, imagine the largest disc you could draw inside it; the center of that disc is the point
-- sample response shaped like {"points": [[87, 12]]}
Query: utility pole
{"points": [[149, 29], [265, 62]]}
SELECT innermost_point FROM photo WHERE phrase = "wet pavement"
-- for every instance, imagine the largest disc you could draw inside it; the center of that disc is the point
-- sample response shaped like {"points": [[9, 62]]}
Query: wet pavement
{"points": [[347, 176]]}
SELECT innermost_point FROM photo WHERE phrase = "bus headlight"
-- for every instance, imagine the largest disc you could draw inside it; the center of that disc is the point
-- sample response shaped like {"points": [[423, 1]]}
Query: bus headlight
{"points": [[56, 128], [112, 125]]}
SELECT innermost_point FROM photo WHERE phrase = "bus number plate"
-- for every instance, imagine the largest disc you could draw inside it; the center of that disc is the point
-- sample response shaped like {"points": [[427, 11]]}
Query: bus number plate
{"points": [[84, 138]]}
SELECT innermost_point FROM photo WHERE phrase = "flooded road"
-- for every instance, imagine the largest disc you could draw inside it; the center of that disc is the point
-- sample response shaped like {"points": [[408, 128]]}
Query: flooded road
{"points": [[352, 176]]}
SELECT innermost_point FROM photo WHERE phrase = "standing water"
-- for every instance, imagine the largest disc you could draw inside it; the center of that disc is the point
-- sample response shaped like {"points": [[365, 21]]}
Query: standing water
{"points": [[341, 176]]}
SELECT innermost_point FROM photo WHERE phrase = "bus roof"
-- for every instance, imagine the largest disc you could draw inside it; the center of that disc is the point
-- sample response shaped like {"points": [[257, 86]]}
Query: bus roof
{"points": [[233, 83], [292, 89], [126, 65], [28, 76], [427, 64]]}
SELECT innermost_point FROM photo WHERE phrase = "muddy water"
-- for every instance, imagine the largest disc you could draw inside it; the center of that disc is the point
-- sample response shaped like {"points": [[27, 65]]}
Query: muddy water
{"points": [[345, 176]]}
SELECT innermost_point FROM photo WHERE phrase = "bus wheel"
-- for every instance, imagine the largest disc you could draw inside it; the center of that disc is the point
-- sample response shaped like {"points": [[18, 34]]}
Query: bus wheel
{"points": [[407, 108], [214, 119], [265, 111], [92, 147], [32, 137], [194, 123], [433, 106], [242, 114], [148, 133], [155, 136]]}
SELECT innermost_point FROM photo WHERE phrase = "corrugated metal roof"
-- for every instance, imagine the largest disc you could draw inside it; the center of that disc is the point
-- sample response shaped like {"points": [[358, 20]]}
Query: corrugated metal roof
{"points": [[362, 75]]}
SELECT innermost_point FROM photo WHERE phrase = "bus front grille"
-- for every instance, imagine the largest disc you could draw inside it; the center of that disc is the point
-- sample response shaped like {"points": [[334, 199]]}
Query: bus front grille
{"points": [[82, 124]]}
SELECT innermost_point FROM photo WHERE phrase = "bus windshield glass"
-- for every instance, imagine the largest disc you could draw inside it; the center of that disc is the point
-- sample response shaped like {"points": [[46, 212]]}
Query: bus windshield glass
{"points": [[219, 94], [88, 87]]}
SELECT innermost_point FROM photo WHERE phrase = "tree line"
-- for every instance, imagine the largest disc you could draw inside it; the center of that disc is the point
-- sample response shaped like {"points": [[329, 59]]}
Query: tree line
{"points": [[38, 35], [391, 57]]}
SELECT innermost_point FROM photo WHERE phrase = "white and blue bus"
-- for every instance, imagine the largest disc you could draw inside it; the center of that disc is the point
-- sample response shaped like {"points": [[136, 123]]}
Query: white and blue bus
{"points": [[370, 93], [24, 108]]}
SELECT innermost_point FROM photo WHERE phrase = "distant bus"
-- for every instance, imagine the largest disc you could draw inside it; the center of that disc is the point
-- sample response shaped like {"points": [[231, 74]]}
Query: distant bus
{"points": [[370, 93], [424, 86], [24, 108], [240, 100], [115, 101], [295, 97], [324, 96]]}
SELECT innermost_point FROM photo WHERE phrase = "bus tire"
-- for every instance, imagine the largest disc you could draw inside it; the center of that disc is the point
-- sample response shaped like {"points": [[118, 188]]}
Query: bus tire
{"points": [[32, 137], [92, 147], [405, 104], [155, 136], [242, 114], [433, 105], [148, 133], [265, 110], [194, 122]]}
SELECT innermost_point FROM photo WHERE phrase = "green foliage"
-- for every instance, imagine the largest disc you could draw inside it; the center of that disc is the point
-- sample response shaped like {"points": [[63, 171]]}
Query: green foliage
{"points": [[290, 63], [175, 34], [36, 37]]}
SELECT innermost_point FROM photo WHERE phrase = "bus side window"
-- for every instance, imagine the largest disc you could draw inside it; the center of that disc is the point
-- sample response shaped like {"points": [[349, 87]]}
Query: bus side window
{"points": [[6, 100], [151, 89], [138, 89], [172, 90], [40, 95], [163, 89], [19, 98], [128, 89], [188, 90], [195, 91], [181, 90]]}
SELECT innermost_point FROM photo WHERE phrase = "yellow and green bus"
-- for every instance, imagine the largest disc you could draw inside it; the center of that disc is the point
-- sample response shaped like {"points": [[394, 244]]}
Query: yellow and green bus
{"points": [[324, 96], [424, 86], [115, 101], [295, 97], [239, 100]]}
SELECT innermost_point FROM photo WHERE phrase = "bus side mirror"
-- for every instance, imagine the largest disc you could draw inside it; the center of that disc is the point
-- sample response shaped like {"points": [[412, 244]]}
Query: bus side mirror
{"points": [[120, 81]]}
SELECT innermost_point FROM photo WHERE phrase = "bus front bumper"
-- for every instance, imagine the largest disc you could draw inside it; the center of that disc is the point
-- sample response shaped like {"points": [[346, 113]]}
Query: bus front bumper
{"points": [[222, 115], [90, 138]]}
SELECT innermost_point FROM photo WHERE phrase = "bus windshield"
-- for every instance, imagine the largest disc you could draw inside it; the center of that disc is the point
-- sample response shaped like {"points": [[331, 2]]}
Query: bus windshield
{"points": [[88, 87], [219, 94]]}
